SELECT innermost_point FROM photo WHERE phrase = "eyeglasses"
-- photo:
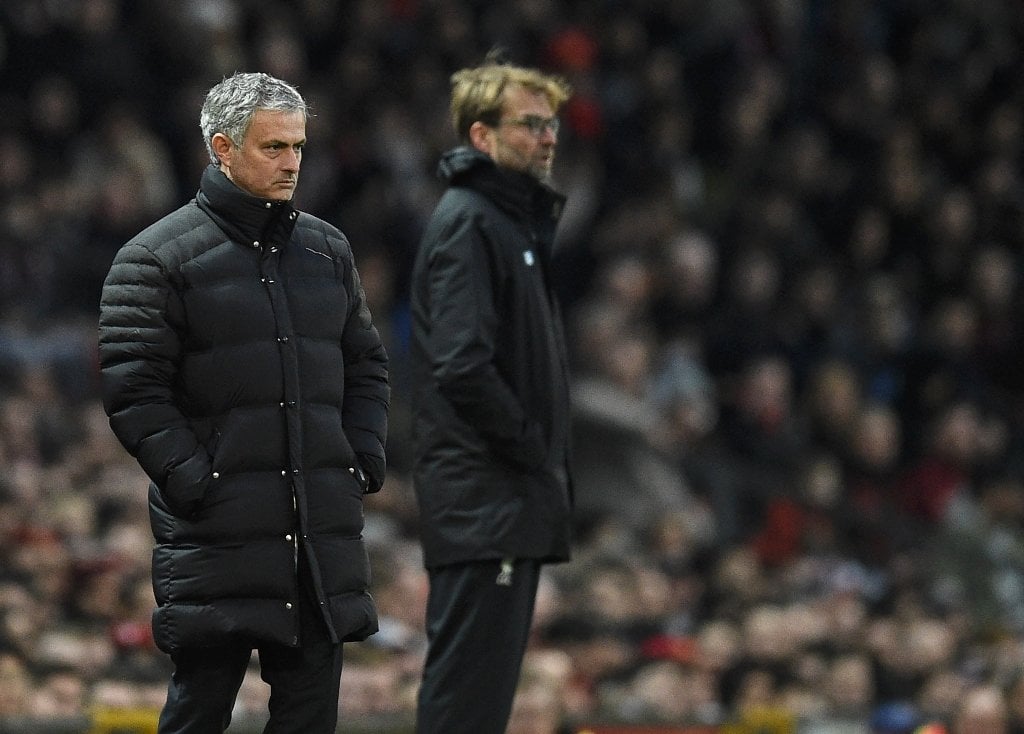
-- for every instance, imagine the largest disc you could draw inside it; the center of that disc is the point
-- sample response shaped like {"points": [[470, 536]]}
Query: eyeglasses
{"points": [[536, 124]]}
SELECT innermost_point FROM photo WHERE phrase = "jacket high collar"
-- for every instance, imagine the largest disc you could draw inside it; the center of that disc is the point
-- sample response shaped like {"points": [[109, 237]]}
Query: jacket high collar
{"points": [[519, 194], [247, 219]]}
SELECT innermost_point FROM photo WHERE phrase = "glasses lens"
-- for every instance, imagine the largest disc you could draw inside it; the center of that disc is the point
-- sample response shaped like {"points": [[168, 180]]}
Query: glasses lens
{"points": [[538, 125]]}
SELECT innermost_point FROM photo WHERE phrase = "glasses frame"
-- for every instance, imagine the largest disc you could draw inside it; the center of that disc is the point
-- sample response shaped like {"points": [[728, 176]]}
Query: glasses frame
{"points": [[535, 124]]}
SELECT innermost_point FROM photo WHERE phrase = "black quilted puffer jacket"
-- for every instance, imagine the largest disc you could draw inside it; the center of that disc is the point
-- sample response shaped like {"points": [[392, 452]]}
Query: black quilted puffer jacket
{"points": [[240, 366]]}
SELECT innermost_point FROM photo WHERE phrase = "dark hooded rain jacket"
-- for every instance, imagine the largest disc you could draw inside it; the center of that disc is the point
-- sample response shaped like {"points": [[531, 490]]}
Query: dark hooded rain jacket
{"points": [[491, 395]]}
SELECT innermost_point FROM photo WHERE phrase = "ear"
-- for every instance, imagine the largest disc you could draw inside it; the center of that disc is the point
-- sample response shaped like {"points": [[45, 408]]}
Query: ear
{"points": [[222, 146], [481, 136]]}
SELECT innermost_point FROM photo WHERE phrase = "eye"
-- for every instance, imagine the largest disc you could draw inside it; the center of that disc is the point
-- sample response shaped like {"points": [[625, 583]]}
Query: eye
{"points": [[536, 124], [539, 124]]}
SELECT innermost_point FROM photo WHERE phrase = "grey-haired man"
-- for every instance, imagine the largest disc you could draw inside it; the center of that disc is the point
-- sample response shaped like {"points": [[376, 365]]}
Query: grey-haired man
{"points": [[242, 369]]}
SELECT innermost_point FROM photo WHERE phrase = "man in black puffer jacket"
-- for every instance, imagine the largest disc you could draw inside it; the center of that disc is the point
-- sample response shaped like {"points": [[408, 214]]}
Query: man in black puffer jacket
{"points": [[241, 368], [491, 396]]}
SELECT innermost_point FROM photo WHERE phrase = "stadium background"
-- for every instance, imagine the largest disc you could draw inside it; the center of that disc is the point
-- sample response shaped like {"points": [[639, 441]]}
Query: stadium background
{"points": [[791, 266]]}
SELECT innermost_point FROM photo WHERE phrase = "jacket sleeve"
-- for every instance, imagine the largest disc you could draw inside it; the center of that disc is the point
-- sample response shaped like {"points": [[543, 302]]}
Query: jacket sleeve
{"points": [[138, 353], [367, 390], [462, 343]]}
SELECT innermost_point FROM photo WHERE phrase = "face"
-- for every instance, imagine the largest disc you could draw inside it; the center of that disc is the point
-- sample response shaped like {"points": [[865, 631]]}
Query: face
{"points": [[512, 144], [266, 164]]}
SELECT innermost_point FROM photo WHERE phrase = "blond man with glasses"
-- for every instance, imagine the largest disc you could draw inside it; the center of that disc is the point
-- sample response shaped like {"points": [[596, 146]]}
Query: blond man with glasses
{"points": [[491, 395]]}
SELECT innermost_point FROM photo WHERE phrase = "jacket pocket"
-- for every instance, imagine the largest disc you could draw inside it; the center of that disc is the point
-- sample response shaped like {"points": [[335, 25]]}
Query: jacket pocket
{"points": [[186, 485], [354, 616]]}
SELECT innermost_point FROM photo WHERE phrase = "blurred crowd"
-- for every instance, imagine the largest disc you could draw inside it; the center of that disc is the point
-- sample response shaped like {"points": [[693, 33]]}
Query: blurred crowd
{"points": [[791, 267]]}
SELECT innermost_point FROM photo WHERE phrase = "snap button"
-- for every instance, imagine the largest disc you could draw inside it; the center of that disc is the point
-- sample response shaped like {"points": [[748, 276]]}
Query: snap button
{"points": [[287, 605], [284, 473], [256, 243], [268, 205], [288, 537], [216, 475]]}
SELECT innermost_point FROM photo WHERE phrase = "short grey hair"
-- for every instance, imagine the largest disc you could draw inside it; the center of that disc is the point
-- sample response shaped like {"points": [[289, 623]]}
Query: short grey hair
{"points": [[231, 103]]}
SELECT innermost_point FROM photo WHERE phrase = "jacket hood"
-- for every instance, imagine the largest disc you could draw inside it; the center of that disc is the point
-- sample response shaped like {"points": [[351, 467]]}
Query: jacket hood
{"points": [[518, 193], [459, 161]]}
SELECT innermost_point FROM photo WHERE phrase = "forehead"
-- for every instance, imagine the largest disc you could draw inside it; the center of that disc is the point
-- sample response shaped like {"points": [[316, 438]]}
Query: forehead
{"points": [[522, 101], [285, 126]]}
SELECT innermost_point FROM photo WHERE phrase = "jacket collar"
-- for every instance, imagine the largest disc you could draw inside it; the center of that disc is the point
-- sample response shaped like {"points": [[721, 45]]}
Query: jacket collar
{"points": [[519, 194], [247, 219]]}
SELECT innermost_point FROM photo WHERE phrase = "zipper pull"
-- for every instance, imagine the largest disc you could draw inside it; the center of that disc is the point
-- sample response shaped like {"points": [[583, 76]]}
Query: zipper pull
{"points": [[505, 574]]}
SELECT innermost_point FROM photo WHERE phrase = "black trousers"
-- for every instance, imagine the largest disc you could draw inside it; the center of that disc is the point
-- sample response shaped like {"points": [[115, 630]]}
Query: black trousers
{"points": [[304, 683], [477, 630]]}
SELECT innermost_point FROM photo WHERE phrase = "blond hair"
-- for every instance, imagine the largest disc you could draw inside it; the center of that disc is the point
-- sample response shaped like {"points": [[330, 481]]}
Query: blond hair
{"points": [[478, 93]]}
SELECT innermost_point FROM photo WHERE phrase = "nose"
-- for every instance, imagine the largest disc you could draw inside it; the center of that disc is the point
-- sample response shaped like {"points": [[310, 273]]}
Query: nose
{"points": [[292, 160]]}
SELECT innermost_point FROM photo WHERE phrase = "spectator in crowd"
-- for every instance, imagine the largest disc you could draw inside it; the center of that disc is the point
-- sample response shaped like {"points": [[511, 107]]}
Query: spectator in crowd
{"points": [[1015, 702], [15, 686], [491, 394], [982, 711], [242, 369]]}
